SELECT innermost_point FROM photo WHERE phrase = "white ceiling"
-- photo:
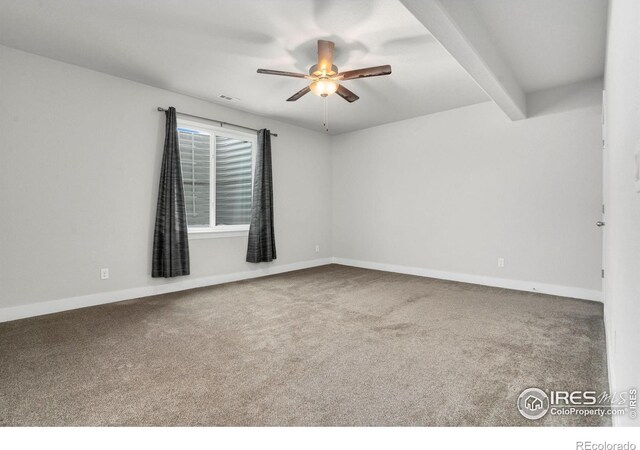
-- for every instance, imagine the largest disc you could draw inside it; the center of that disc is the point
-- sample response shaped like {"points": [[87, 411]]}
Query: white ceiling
{"points": [[205, 48], [547, 43]]}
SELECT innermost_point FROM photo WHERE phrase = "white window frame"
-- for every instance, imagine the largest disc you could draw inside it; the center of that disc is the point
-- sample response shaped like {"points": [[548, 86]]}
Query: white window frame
{"points": [[216, 231]]}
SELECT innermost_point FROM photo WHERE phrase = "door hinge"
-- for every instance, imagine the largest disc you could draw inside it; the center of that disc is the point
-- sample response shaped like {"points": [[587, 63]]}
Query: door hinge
{"points": [[603, 208], [602, 273]]}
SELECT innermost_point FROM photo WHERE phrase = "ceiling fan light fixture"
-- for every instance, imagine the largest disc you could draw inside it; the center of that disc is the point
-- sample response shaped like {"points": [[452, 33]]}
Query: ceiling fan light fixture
{"points": [[325, 78], [323, 87]]}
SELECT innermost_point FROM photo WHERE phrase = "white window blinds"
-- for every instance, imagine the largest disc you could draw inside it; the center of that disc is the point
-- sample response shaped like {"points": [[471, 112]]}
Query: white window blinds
{"points": [[195, 156], [217, 174], [233, 181]]}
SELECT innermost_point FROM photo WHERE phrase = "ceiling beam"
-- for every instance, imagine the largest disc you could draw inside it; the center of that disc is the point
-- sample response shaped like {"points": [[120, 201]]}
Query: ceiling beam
{"points": [[454, 25]]}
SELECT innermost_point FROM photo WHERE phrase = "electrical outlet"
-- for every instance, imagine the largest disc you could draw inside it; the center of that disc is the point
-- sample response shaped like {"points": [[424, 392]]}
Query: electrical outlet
{"points": [[317, 249], [500, 262], [104, 274]]}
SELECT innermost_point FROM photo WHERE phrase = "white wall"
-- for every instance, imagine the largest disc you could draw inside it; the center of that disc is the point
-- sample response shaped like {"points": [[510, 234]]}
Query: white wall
{"points": [[454, 191], [80, 156], [622, 250]]}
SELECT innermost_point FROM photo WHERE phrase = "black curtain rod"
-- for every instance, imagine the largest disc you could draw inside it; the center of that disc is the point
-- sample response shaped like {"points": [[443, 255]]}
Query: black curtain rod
{"points": [[214, 120]]}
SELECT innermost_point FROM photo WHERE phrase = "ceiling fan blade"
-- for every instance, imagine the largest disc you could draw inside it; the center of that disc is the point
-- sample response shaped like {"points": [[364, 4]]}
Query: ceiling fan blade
{"points": [[364, 73], [325, 55], [346, 94], [299, 94], [281, 73]]}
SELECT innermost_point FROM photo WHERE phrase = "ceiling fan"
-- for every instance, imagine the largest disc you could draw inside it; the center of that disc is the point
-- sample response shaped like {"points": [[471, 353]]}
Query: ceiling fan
{"points": [[325, 78]]}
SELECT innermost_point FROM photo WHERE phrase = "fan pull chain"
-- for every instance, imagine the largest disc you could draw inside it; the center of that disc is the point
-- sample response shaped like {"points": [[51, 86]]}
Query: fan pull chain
{"points": [[325, 106]]}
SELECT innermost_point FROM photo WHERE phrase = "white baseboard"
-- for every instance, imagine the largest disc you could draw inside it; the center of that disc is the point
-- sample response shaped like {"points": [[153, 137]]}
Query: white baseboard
{"points": [[66, 304], [49, 307], [529, 286]]}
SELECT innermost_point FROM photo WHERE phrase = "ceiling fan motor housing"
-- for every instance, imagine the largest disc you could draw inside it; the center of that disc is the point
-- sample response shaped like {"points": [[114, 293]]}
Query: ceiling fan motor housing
{"points": [[317, 71]]}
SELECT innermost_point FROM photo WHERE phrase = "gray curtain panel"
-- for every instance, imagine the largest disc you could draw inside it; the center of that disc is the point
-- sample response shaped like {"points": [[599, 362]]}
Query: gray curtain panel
{"points": [[262, 241], [170, 240]]}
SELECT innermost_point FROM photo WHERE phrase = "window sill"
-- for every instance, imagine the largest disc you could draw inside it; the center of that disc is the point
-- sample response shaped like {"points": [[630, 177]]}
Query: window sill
{"points": [[211, 234]]}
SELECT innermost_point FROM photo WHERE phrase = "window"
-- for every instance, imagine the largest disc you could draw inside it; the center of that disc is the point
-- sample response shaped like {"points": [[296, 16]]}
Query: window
{"points": [[217, 175]]}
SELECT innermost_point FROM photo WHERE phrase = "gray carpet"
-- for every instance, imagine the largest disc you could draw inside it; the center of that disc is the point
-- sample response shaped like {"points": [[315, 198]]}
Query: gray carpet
{"points": [[333, 345]]}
